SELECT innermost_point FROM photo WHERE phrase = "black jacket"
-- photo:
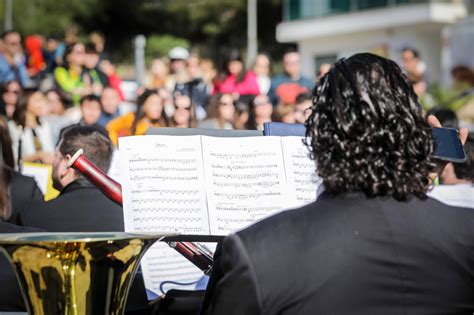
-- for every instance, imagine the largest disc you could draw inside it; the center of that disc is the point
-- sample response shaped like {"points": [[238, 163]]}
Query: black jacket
{"points": [[23, 192], [79, 208], [349, 255], [10, 295]]}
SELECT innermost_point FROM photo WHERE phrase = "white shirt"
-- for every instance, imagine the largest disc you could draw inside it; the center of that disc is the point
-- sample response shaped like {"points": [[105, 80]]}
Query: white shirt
{"points": [[43, 132]]}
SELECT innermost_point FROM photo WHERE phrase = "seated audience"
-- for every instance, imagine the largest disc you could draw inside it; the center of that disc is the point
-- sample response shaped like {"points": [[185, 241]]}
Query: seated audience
{"points": [[261, 111], [220, 112], [11, 91], [285, 113], [114, 80], [261, 68], [56, 113], [110, 101], [91, 74], [91, 110], [196, 88], [302, 107], [372, 243], [237, 80], [80, 207], [287, 86], [68, 78], [28, 128], [184, 115], [12, 67], [241, 115], [149, 113], [18, 189]]}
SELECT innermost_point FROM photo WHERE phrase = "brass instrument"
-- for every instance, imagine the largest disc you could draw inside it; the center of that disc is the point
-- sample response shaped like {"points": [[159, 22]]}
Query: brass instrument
{"points": [[75, 273]]}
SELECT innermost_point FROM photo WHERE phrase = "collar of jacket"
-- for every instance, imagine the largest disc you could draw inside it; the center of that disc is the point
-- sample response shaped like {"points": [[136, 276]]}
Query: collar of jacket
{"points": [[75, 185]]}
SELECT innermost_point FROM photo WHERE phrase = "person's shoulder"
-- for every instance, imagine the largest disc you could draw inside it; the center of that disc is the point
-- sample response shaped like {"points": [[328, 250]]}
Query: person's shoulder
{"points": [[6, 227], [436, 205], [126, 119], [22, 180], [305, 81], [280, 78], [280, 223], [250, 75], [3, 60]]}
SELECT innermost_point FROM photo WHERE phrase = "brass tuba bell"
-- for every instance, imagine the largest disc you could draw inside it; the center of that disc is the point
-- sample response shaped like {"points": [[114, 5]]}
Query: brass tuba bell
{"points": [[75, 273]]}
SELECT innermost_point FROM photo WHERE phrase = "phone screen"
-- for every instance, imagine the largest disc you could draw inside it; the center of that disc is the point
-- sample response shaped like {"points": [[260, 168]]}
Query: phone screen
{"points": [[448, 145]]}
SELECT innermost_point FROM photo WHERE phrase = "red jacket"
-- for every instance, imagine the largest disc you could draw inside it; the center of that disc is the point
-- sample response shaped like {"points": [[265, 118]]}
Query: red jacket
{"points": [[248, 85]]}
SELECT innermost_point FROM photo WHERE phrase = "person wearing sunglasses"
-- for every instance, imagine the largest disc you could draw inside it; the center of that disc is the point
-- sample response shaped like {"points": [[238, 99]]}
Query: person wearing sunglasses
{"points": [[184, 115], [220, 112]]}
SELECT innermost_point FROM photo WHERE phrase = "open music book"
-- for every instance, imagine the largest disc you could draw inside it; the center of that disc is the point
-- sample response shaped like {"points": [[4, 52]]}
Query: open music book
{"points": [[207, 185]]}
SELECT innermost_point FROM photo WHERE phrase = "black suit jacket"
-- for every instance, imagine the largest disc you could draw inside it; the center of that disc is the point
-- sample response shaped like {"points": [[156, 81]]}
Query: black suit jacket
{"points": [[349, 255], [10, 294], [23, 192], [79, 208]]}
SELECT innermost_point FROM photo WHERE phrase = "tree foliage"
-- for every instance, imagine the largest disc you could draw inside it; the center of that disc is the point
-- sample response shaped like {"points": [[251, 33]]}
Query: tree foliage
{"points": [[212, 25]]}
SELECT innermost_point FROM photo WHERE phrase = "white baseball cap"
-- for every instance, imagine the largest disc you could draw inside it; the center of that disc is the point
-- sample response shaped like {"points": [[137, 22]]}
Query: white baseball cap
{"points": [[178, 53]]}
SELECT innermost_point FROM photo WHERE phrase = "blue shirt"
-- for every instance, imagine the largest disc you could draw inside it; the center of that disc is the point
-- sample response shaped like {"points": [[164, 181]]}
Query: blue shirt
{"points": [[285, 79], [9, 72]]}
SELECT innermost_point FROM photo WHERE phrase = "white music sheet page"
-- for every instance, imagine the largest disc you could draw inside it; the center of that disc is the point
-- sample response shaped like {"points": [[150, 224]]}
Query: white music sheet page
{"points": [[163, 267], [304, 184], [163, 184], [163, 191], [245, 180]]}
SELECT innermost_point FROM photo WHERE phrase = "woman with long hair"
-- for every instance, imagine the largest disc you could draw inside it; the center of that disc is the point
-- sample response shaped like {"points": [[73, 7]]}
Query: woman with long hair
{"points": [[10, 92], [184, 115], [16, 190], [260, 112], [68, 78], [31, 136], [237, 80], [220, 112], [149, 113]]}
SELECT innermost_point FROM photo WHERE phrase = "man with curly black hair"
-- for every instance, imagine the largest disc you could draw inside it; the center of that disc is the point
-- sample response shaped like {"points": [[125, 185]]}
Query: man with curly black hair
{"points": [[372, 243]]}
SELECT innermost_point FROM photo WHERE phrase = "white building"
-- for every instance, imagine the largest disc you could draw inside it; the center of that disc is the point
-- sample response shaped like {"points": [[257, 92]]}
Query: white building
{"points": [[326, 30]]}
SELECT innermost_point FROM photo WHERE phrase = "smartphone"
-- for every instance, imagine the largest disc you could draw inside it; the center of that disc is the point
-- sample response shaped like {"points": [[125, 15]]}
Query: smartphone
{"points": [[448, 145]]}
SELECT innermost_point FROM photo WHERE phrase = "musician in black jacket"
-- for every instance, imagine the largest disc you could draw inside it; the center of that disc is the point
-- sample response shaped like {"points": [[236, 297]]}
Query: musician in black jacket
{"points": [[373, 243], [80, 207], [15, 191]]}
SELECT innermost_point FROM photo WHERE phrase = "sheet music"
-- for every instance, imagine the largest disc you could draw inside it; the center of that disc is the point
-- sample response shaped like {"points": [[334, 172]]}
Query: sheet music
{"points": [[161, 264], [304, 184], [163, 191], [245, 181], [163, 184], [454, 195]]}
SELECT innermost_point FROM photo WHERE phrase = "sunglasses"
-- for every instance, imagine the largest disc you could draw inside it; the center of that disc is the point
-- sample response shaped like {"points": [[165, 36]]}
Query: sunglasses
{"points": [[180, 107]]}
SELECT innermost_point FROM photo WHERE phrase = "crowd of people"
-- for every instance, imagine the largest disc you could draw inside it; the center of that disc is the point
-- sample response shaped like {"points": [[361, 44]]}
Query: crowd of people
{"points": [[48, 83], [366, 130]]}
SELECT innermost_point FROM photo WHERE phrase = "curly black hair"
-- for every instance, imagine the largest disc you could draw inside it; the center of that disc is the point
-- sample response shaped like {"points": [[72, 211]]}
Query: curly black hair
{"points": [[366, 131]]}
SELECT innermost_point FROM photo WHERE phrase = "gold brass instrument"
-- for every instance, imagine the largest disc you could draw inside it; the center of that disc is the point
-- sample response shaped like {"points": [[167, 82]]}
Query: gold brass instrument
{"points": [[75, 273]]}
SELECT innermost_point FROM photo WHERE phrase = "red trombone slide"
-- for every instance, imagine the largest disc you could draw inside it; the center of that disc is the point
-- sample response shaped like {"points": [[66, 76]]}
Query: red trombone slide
{"points": [[194, 252]]}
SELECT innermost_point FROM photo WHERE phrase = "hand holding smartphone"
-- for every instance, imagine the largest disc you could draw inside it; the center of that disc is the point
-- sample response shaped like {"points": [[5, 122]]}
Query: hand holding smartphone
{"points": [[448, 145]]}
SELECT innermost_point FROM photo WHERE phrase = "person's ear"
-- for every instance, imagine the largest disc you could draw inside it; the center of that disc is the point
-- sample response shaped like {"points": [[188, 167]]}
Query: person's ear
{"points": [[66, 169]]}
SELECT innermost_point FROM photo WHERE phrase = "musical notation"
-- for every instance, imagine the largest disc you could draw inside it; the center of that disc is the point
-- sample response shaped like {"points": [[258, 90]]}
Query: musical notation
{"points": [[246, 181], [247, 176], [240, 156], [302, 179]]}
